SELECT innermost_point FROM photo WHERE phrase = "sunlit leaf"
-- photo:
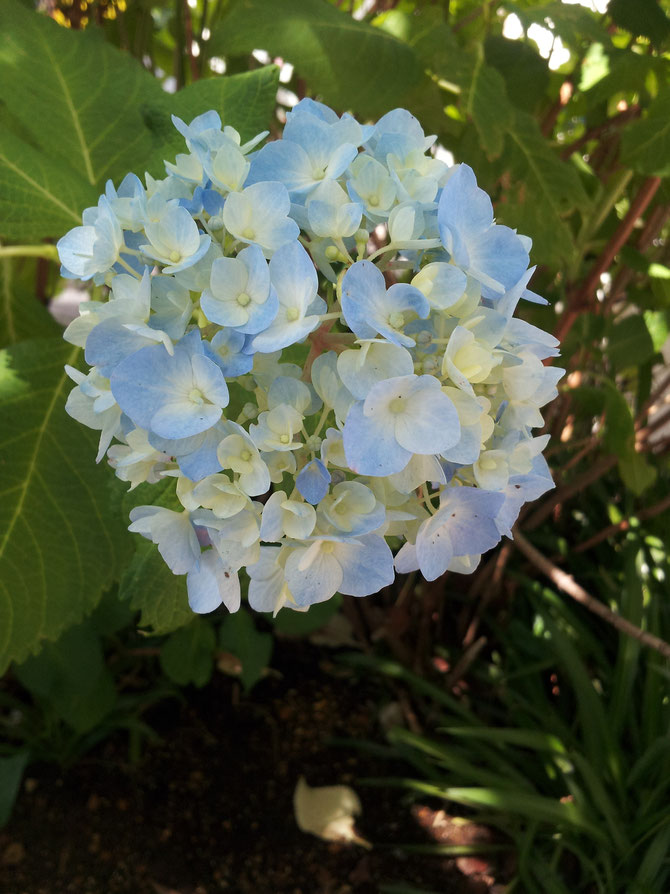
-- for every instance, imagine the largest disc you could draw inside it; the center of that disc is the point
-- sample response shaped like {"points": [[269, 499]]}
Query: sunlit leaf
{"points": [[60, 545]]}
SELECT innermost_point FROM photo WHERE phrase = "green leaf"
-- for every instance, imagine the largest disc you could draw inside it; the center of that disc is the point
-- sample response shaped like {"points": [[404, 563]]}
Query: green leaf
{"points": [[487, 104], [239, 636], [658, 326], [294, 623], [613, 71], [645, 145], [640, 17], [147, 582], [525, 72], [619, 423], [350, 64], [246, 101], [187, 656], [11, 774], [577, 27], [527, 805], [87, 112], [629, 343], [483, 96], [71, 677], [77, 96], [21, 314], [547, 189], [636, 473], [151, 588], [39, 195], [60, 545]]}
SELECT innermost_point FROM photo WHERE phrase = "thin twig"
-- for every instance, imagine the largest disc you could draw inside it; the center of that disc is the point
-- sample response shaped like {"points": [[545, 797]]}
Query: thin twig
{"points": [[661, 419], [568, 585], [658, 392], [462, 665], [563, 494], [623, 525], [188, 35], [580, 298], [600, 129], [496, 575]]}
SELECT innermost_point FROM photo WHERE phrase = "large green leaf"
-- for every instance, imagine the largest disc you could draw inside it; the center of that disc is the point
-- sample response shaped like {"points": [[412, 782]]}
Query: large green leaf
{"points": [[629, 342], [351, 64], [576, 26], [21, 314], [39, 195], [525, 72], [645, 145], [77, 96], [247, 101], [547, 190], [150, 586], [187, 656], [72, 677], [608, 71], [481, 88], [641, 17], [487, 104], [60, 545], [77, 111], [239, 636]]}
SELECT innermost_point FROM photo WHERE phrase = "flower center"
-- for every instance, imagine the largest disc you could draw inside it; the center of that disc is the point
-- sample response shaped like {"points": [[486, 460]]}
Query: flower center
{"points": [[243, 299], [292, 314], [249, 233], [397, 320], [174, 256], [284, 439], [397, 405], [196, 396]]}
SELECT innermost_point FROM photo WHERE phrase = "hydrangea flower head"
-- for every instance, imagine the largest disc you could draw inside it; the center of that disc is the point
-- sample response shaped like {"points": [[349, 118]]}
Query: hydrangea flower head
{"points": [[313, 395]]}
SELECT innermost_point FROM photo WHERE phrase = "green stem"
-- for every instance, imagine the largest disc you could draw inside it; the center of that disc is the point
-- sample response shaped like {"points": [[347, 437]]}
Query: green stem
{"points": [[128, 268], [29, 251]]}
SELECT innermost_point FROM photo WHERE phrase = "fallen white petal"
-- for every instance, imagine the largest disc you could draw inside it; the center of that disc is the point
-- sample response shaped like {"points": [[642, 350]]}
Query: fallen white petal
{"points": [[327, 811]]}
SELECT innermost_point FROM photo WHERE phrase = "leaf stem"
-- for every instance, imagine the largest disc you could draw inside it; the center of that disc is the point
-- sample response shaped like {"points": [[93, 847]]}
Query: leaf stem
{"points": [[29, 251]]}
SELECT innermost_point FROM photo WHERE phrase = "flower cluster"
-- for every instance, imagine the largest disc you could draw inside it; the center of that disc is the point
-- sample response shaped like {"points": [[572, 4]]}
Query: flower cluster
{"points": [[316, 341]]}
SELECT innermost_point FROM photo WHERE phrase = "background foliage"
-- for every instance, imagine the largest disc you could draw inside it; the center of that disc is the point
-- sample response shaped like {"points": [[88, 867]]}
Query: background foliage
{"points": [[575, 156]]}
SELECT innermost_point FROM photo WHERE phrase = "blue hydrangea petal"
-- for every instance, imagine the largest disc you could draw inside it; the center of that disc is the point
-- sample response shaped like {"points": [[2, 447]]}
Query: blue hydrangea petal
{"points": [[210, 583], [370, 445], [312, 581], [312, 481], [367, 566]]}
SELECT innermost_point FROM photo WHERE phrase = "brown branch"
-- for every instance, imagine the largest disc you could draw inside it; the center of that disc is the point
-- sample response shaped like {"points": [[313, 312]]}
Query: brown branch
{"points": [[658, 392], [568, 585], [661, 419], [496, 574], [581, 296], [463, 664], [655, 223], [563, 494], [188, 37], [623, 525], [600, 129]]}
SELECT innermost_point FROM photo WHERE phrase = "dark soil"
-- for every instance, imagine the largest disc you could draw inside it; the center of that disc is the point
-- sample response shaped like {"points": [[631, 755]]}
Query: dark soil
{"points": [[210, 808]]}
